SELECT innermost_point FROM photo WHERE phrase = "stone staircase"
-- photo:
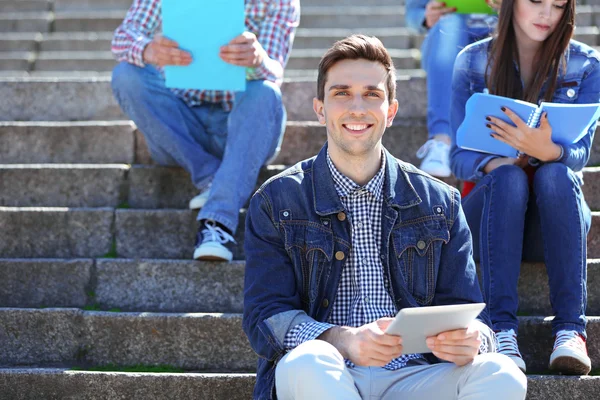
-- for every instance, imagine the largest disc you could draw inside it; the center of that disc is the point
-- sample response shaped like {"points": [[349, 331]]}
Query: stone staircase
{"points": [[96, 240]]}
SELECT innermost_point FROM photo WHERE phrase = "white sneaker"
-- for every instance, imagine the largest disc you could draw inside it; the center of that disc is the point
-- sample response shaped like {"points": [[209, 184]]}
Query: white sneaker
{"points": [[570, 355], [210, 243], [436, 158], [507, 345], [199, 201]]}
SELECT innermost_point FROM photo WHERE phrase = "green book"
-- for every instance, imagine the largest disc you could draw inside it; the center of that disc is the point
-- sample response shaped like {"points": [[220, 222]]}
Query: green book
{"points": [[470, 6]]}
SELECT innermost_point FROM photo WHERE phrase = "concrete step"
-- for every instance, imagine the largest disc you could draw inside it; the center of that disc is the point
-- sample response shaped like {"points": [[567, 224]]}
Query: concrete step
{"points": [[63, 185], [89, 232], [76, 41], [74, 60], [54, 383], [88, 21], [10, 42], [36, 383], [92, 5], [67, 142], [25, 21], [192, 341], [25, 5], [66, 337], [188, 286], [16, 60], [55, 232]]}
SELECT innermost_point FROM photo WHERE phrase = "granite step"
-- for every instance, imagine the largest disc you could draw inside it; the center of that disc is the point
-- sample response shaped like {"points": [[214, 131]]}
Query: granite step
{"points": [[25, 5], [159, 285], [25, 21], [76, 41], [55, 337], [19, 42], [16, 60], [55, 383], [129, 233]]}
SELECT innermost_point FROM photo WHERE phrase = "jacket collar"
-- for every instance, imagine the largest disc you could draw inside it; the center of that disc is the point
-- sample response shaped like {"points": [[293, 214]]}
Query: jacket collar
{"points": [[397, 188]]}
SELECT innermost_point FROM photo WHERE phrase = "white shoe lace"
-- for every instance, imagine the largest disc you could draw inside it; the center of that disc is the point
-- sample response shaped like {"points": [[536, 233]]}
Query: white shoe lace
{"points": [[507, 343], [422, 152], [436, 150], [571, 339], [213, 233]]}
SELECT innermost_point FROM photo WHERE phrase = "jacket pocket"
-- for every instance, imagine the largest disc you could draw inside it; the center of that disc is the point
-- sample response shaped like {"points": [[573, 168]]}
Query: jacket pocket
{"points": [[418, 246], [567, 90], [310, 245]]}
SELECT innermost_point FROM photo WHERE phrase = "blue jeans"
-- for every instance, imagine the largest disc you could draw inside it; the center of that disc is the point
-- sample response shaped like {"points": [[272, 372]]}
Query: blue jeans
{"points": [[510, 222], [224, 148], [444, 41]]}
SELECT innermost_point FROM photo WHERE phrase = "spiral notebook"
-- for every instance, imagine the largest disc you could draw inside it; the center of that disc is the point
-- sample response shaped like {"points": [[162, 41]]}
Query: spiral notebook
{"points": [[202, 27], [470, 6], [569, 122]]}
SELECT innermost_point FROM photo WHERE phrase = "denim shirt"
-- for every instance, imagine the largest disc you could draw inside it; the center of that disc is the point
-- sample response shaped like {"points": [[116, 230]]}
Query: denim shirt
{"points": [[297, 243], [579, 84]]}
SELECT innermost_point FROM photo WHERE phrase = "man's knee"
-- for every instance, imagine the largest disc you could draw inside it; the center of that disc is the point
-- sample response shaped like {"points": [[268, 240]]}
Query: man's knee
{"points": [[303, 362], [505, 375], [268, 92]]}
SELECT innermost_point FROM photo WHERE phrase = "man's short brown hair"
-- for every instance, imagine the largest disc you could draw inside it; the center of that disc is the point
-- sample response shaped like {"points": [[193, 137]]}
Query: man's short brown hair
{"points": [[356, 47]]}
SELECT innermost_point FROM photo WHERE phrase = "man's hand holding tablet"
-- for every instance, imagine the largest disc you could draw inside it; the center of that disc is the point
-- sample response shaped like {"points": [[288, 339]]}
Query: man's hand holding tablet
{"points": [[459, 346]]}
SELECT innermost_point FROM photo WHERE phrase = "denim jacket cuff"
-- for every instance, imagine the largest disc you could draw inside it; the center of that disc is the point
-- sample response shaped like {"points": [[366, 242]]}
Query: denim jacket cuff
{"points": [[284, 322]]}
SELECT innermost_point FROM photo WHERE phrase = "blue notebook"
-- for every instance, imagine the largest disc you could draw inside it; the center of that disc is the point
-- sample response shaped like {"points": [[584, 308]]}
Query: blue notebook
{"points": [[202, 27], [569, 122]]}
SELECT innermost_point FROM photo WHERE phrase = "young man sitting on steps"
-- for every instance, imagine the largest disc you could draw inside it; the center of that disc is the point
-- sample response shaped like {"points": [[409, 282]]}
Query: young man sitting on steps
{"points": [[221, 138], [339, 243]]}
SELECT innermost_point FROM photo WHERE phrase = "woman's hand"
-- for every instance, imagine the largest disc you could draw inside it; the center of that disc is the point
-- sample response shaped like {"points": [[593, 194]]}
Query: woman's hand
{"points": [[495, 4], [434, 10], [535, 142]]}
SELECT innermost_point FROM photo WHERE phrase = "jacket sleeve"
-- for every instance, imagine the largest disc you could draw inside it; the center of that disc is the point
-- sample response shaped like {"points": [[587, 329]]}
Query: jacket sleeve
{"points": [[272, 305], [576, 155], [457, 281], [415, 15], [136, 31], [467, 165]]}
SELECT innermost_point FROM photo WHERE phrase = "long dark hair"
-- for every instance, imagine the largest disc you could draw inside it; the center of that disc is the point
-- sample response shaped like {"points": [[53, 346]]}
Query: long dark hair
{"points": [[501, 77]]}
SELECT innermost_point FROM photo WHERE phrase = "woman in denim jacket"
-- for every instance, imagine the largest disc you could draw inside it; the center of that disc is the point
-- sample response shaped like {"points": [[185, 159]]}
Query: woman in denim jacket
{"points": [[543, 218], [447, 34]]}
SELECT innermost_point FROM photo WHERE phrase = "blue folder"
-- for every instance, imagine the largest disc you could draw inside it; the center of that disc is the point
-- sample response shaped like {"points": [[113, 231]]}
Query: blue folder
{"points": [[569, 122], [202, 27]]}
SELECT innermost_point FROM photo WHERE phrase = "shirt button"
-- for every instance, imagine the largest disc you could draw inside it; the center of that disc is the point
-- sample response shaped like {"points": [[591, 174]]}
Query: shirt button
{"points": [[339, 255], [360, 225], [364, 261], [325, 303], [366, 299], [570, 92], [421, 244], [341, 216]]}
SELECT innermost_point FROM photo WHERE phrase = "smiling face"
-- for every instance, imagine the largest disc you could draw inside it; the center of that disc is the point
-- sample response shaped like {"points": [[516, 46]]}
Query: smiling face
{"points": [[355, 108], [535, 20]]}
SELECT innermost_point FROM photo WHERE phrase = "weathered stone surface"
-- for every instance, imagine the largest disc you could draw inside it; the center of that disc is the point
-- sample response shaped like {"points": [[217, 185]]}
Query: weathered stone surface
{"points": [[25, 22], [9, 6], [309, 58], [344, 17], [207, 342], [18, 41], [163, 234], [169, 285], [66, 142], [55, 232], [39, 337], [86, 21], [15, 61], [56, 384], [67, 41], [314, 38], [62, 185], [171, 187], [90, 5], [74, 61], [34, 384], [44, 282], [591, 187]]}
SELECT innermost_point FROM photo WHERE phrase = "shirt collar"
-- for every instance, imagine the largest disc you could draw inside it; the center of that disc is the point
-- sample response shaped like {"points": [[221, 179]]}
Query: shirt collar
{"points": [[346, 187]]}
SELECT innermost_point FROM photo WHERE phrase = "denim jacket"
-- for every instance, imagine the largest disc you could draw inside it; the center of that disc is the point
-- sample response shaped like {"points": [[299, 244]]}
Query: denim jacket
{"points": [[295, 235], [579, 84]]}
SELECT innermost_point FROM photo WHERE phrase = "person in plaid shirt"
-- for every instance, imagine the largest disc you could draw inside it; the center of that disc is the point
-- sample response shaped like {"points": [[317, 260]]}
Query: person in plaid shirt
{"points": [[339, 243], [221, 138]]}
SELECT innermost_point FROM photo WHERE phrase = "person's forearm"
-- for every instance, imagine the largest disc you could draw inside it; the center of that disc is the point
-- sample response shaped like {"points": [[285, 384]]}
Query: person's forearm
{"points": [[337, 336]]}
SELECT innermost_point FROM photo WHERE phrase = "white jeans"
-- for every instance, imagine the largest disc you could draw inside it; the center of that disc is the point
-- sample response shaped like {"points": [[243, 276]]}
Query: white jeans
{"points": [[316, 370]]}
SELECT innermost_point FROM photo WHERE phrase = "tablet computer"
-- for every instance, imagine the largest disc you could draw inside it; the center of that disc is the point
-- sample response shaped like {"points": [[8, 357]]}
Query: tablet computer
{"points": [[415, 324], [470, 6]]}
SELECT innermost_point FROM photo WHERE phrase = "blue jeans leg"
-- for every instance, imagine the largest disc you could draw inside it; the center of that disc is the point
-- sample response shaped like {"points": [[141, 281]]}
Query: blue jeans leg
{"points": [[255, 129], [174, 134], [495, 211], [438, 52], [565, 221]]}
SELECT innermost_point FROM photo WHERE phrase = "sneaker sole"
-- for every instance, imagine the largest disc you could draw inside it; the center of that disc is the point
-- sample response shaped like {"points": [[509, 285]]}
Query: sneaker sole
{"points": [[212, 254], [569, 366]]}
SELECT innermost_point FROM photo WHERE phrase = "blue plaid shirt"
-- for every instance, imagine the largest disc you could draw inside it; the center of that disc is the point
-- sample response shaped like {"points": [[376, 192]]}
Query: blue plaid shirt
{"points": [[363, 292]]}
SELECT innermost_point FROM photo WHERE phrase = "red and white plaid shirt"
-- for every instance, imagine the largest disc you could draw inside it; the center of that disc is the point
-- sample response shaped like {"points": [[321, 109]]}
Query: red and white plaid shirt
{"points": [[273, 22]]}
